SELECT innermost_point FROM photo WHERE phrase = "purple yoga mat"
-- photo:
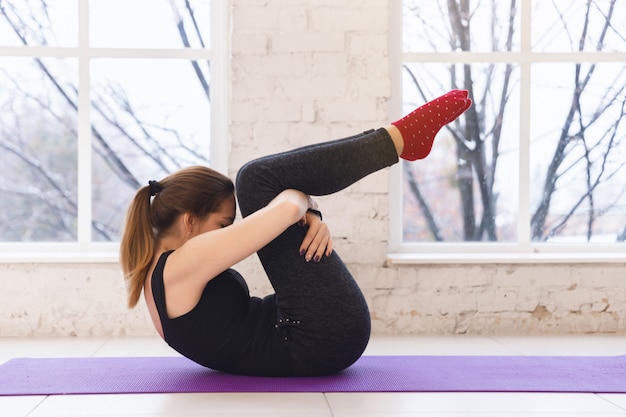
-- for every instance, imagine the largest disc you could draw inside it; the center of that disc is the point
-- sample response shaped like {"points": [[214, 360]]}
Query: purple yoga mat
{"points": [[593, 374]]}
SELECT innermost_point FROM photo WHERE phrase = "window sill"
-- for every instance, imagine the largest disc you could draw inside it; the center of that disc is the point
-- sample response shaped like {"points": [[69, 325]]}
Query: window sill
{"points": [[41, 253], [396, 259], [48, 253]]}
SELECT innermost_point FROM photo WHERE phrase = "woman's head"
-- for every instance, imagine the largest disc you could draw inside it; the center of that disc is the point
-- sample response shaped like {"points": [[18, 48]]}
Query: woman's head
{"points": [[194, 192]]}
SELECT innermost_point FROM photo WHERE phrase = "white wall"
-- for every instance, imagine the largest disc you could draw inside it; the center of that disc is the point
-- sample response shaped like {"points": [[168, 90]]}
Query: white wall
{"points": [[305, 71]]}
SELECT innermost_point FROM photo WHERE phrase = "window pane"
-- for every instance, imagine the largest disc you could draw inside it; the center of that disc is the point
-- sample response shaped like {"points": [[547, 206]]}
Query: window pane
{"points": [[444, 26], [38, 149], [171, 24], [467, 189], [38, 23], [150, 117], [578, 184], [575, 25]]}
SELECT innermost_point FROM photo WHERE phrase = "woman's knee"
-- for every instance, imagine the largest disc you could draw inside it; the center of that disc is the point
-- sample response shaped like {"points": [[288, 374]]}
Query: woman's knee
{"points": [[244, 173], [248, 176], [252, 186]]}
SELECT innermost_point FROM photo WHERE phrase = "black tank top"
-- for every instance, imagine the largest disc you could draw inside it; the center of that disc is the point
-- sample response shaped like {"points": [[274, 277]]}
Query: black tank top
{"points": [[227, 330]]}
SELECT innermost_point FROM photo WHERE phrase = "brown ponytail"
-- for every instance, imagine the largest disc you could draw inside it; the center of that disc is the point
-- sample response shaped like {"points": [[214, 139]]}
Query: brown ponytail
{"points": [[196, 190]]}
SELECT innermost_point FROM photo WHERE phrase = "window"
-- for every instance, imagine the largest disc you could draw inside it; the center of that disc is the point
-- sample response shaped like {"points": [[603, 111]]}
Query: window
{"points": [[538, 164], [98, 97]]}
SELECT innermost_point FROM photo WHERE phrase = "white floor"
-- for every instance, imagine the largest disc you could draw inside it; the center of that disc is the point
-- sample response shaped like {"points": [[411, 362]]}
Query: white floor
{"points": [[317, 404]]}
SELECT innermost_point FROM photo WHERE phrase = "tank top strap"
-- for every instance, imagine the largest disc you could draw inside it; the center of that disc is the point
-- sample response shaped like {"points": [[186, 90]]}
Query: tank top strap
{"points": [[158, 287]]}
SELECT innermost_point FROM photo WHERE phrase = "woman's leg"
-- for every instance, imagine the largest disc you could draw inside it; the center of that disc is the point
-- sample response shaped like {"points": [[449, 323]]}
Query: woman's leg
{"points": [[317, 170], [329, 167], [321, 309]]}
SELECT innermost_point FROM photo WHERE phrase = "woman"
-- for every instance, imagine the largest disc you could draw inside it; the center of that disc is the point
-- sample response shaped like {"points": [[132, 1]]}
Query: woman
{"points": [[180, 242]]}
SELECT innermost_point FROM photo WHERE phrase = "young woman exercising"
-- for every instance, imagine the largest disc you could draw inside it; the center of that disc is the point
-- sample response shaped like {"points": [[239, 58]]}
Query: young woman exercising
{"points": [[180, 241]]}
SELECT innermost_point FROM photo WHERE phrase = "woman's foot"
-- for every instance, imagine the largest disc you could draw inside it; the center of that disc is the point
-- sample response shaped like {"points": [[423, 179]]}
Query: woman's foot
{"points": [[419, 128]]}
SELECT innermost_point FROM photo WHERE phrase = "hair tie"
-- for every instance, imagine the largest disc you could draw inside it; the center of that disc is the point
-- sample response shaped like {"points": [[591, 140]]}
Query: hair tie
{"points": [[155, 187]]}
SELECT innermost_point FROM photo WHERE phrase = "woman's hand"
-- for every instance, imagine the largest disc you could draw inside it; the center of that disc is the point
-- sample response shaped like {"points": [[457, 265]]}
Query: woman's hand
{"points": [[317, 241]]}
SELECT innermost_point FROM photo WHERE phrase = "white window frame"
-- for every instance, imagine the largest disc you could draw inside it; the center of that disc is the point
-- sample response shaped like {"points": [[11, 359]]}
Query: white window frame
{"points": [[84, 249], [525, 251]]}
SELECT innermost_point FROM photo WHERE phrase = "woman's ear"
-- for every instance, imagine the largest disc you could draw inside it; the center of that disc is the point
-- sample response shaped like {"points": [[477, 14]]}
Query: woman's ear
{"points": [[188, 222]]}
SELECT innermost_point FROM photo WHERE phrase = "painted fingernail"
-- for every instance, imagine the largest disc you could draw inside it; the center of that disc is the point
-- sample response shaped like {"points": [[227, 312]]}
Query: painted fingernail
{"points": [[308, 259], [317, 258]]}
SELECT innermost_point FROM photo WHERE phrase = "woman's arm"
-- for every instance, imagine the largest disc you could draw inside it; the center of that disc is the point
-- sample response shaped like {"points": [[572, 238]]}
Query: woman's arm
{"points": [[205, 256]]}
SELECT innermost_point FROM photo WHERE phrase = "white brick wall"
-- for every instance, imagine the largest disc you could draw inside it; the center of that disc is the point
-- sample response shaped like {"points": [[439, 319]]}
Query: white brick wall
{"points": [[305, 71]]}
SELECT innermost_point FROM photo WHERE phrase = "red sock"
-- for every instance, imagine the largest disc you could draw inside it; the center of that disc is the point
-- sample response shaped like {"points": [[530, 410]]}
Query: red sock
{"points": [[420, 127]]}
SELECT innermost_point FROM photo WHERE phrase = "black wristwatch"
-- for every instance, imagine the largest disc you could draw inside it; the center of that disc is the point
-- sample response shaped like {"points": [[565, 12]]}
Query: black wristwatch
{"points": [[316, 212]]}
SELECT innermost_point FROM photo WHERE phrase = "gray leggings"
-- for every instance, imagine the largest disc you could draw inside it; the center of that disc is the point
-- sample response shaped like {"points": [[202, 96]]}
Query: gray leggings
{"points": [[321, 311]]}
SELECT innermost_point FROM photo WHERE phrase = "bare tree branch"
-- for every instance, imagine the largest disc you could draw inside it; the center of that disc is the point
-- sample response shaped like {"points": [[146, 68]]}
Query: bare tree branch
{"points": [[581, 81], [185, 39], [114, 161], [593, 183], [421, 201]]}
